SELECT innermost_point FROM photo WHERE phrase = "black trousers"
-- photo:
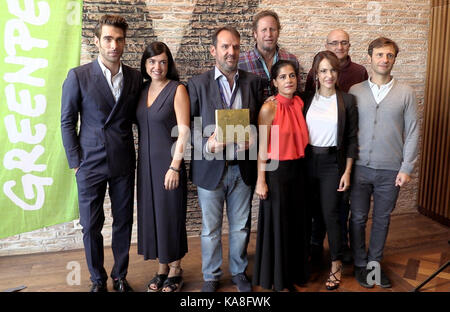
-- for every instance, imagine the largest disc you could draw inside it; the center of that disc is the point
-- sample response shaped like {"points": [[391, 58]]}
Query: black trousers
{"points": [[318, 225], [323, 181], [91, 195]]}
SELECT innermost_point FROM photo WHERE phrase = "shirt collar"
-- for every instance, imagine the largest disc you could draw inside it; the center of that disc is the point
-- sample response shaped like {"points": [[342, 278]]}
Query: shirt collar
{"points": [[258, 55], [387, 85], [218, 74], [106, 71]]}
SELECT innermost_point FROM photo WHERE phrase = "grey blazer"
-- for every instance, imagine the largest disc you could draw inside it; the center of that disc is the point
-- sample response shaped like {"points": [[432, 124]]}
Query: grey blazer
{"points": [[104, 142], [205, 98]]}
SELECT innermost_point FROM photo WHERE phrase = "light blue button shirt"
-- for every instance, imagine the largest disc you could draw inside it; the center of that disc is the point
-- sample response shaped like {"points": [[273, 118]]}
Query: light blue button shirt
{"points": [[226, 91]]}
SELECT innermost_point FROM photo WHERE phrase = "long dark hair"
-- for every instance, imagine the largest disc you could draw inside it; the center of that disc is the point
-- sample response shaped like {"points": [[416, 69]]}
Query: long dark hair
{"points": [[157, 48]]}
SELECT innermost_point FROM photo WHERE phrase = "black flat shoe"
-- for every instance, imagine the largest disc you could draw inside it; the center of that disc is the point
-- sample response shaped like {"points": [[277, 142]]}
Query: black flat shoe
{"points": [[121, 285], [173, 283], [158, 280]]}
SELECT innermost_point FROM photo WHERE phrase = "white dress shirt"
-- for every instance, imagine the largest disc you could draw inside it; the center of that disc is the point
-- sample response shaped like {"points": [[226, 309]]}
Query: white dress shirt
{"points": [[379, 93], [115, 83]]}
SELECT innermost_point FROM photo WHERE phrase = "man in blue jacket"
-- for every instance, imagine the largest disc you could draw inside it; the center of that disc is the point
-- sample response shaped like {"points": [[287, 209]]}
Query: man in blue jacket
{"points": [[102, 95]]}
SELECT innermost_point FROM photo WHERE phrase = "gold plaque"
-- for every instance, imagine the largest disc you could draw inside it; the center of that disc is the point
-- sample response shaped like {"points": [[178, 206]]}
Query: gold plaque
{"points": [[233, 125]]}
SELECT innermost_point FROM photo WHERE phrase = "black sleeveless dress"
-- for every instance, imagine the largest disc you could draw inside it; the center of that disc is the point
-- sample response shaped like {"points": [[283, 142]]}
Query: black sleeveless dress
{"points": [[161, 214]]}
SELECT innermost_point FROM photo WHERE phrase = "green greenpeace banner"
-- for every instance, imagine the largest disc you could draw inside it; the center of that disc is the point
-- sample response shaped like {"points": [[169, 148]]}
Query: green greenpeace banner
{"points": [[40, 42]]}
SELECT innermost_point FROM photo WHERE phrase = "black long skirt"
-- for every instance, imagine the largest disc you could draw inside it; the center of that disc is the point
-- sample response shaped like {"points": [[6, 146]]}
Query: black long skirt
{"points": [[284, 229]]}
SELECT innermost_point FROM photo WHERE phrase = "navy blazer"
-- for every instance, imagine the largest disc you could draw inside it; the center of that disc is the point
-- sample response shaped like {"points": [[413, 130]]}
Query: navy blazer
{"points": [[205, 98], [104, 143], [347, 140]]}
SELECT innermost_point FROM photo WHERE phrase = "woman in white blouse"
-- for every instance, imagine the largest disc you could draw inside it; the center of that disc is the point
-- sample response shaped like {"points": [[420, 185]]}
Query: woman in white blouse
{"points": [[332, 121]]}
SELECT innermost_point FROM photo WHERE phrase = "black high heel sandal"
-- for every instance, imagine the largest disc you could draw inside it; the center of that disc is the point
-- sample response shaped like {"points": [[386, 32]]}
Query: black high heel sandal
{"points": [[336, 282]]}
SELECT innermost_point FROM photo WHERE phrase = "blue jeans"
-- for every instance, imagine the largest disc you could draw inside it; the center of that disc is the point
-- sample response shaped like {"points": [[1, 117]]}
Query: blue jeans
{"points": [[380, 184], [236, 194]]}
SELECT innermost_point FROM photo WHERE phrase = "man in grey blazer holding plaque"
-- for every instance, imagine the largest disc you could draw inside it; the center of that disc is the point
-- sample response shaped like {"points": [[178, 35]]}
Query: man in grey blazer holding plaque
{"points": [[223, 172]]}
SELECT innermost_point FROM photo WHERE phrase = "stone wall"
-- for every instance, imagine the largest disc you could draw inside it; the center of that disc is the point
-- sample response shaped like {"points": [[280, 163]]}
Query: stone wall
{"points": [[186, 26]]}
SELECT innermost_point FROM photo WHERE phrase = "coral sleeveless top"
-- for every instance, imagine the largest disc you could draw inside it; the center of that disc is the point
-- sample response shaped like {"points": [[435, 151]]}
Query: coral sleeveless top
{"points": [[289, 141]]}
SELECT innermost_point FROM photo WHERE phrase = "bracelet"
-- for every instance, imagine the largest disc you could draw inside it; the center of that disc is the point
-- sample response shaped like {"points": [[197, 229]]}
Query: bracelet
{"points": [[176, 170]]}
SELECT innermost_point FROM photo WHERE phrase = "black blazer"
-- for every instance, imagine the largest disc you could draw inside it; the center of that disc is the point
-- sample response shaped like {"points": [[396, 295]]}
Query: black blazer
{"points": [[205, 98], [347, 140], [104, 143]]}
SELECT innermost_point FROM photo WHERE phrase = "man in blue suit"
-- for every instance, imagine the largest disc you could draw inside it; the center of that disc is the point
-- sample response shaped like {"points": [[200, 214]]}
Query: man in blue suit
{"points": [[103, 96], [219, 177]]}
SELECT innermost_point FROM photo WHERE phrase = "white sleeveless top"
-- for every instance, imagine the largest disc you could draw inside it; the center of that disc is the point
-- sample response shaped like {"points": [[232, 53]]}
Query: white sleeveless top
{"points": [[322, 120]]}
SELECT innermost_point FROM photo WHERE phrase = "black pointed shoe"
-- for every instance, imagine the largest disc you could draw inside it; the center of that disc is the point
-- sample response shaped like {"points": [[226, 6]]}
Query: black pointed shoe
{"points": [[121, 285], [98, 287]]}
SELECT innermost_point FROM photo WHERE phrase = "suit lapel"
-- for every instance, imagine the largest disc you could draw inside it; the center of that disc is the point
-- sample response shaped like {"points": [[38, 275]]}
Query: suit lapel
{"points": [[214, 87], [244, 87], [102, 85], [123, 94], [341, 117], [126, 83]]}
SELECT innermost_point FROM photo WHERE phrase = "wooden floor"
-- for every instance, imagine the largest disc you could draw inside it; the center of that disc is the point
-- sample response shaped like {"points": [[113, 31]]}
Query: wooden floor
{"points": [[416, 247]]}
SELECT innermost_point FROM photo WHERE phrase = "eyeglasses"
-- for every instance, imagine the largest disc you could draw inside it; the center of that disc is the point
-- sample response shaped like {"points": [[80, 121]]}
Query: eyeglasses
{"points": [[343, 43]]}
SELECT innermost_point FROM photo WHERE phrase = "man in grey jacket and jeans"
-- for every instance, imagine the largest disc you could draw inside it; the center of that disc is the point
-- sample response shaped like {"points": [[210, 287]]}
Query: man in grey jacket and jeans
{"points": [[388, 138]]}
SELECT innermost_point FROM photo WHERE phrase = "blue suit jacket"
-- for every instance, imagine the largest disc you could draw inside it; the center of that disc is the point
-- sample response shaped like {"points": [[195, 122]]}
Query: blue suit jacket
{"points": [[205, 98], [104, 142]]}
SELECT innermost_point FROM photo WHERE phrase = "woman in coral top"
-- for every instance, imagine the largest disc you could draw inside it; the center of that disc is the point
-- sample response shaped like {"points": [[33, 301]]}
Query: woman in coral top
{"points": [[282, 243]]}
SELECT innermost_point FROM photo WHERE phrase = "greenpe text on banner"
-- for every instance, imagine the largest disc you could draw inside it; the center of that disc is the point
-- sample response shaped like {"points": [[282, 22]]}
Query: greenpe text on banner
{"points": [[41, 42]]}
